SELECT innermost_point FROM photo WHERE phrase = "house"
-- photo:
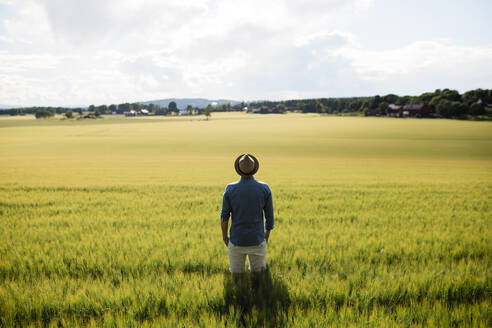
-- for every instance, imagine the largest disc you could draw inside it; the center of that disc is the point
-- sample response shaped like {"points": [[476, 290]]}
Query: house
{"points": [[393, 110], [183, 112], [144, 112], [130, 113], [407, 110], [416, 109]]}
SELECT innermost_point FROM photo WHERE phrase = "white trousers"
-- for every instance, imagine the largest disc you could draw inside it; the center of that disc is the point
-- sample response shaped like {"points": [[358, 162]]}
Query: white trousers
{"points": [[256, 257]]}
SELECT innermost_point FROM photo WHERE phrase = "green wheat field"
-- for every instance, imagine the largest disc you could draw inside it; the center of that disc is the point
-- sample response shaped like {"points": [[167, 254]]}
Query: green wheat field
{"points": [[379, 222]]}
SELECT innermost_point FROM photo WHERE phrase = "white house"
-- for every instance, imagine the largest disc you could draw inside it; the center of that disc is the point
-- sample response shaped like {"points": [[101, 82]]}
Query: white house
{"points": [[130, 113]]}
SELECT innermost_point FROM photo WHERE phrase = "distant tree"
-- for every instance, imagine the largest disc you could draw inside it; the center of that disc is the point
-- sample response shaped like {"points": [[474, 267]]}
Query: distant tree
{"points": [[320, 108], [12, 111], [477, 109], [69, 113], [112, 108], [390, 98], [382, 108], [264, 110], [207, 111], [307, 107], [462, 109], [173, 108], [91, 108], [363, 106], [470, 96], [103, 109], [443, 108], [403, 100], [151, 108], [189, 110], [123, 108], [454, 108], [375, 102], [426, 97], [97, 113], [433, 103], [451, 95], [161, 111], [43, 113], [354, 106], [281, 108]]}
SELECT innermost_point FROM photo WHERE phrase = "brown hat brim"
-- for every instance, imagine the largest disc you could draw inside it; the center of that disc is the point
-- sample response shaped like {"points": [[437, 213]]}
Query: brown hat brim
{"points": [[238, 170]]}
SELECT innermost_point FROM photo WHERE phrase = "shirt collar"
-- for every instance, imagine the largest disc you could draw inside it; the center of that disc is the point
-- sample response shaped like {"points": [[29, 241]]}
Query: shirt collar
{"points": [[247, 178]]}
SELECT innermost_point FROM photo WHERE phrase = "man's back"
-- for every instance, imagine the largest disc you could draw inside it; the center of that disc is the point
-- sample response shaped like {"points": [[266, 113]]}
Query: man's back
{"points": [[247, 200]]}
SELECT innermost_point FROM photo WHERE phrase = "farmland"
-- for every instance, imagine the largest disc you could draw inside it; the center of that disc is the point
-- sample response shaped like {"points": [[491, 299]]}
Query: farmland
{"points": [[115, 222]]}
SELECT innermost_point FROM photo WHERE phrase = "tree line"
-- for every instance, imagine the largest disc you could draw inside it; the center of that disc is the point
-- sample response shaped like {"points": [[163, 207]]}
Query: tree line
{"points": [[441, 103]]}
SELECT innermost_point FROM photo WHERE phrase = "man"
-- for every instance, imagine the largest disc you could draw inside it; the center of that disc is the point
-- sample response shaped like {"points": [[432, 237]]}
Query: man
{"points": [[247, 200]]}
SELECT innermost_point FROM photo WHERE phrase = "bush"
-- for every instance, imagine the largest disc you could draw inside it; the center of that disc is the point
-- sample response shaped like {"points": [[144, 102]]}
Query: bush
{"points": [[44, 113]]}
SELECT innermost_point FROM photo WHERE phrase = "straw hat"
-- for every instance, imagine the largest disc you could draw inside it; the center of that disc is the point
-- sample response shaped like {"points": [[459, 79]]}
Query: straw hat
{"points": [[246, 165]]}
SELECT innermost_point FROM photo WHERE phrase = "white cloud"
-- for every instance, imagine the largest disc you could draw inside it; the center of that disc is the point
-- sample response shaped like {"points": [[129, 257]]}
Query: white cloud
{"points": [[5, 39], [20, 90], [93, 51], [25, 63], [325, 39], [435, 54], [29, 24]]}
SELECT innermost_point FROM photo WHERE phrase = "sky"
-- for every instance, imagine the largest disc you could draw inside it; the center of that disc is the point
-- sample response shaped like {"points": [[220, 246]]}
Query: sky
{"points": [[74, 52]]}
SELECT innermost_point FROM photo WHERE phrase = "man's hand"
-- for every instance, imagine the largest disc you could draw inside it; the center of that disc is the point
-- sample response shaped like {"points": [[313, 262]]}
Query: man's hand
{"points": [[267, 235], [223, 226]]}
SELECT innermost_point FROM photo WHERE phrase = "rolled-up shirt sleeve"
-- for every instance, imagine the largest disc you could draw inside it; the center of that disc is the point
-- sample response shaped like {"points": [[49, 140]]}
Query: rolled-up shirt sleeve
{"points": [[268, 209], [226, 207]]}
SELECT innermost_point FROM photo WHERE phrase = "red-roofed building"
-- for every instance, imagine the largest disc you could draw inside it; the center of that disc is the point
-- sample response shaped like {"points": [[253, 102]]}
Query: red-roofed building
{"points": [[408, 110]]}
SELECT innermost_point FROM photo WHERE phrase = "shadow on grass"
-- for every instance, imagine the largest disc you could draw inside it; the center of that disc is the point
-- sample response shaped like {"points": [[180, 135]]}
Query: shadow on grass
{"points": [[256, 299]]}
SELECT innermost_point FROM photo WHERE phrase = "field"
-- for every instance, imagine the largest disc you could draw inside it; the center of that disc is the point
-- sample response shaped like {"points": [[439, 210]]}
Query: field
{"points": [[379, 222]]}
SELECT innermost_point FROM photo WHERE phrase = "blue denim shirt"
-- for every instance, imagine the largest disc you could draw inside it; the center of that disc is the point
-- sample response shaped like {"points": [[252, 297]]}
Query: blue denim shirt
{"points": [[247, 200]]}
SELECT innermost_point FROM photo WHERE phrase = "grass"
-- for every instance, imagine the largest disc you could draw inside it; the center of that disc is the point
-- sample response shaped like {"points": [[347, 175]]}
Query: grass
{"points": [[114, 222]]}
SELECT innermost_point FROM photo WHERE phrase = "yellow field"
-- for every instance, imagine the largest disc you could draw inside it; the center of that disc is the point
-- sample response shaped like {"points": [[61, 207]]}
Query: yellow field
{"points": [[379, 221]]}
